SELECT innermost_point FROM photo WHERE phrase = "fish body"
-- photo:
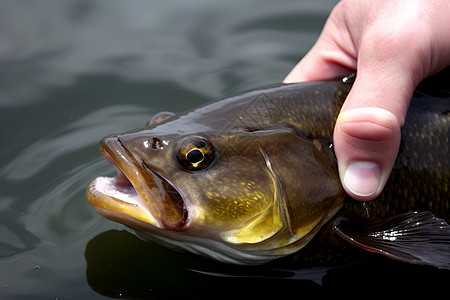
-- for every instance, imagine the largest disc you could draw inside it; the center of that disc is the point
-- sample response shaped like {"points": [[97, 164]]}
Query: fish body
{"points": [[252, 178]]}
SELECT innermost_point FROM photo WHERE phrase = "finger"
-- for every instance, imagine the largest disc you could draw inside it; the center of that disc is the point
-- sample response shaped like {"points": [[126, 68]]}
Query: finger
{"points": [[321, 64], [366, 142], [332, 56], [367, 132]]}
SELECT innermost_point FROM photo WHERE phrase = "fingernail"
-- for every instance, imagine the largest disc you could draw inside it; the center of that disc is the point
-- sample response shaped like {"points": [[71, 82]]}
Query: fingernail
{"points": [[362, 178]]}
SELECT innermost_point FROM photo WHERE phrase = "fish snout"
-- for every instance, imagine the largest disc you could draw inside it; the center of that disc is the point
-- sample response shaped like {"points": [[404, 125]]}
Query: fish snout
{"points": [[154, 194]]}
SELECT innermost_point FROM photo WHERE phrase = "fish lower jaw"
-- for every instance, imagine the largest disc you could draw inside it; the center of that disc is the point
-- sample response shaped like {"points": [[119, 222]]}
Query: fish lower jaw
{"points": [[114, 203]]}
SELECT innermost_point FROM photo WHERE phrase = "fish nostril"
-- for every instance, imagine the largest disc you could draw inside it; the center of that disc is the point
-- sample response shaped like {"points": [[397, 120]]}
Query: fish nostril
{"points": [[157, 144]]}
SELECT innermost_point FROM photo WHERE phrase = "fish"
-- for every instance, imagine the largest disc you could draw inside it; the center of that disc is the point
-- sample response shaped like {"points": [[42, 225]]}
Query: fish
{"points": [[252, 178]]}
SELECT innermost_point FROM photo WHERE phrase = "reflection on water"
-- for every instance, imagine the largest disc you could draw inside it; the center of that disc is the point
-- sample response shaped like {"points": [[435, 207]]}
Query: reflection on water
{"points": [[120, 264], [157, 273], [74, 71]]}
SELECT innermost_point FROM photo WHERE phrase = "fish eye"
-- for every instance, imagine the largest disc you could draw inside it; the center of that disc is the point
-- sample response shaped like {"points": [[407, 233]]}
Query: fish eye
{"points": [[195, 153], [195, 156]]}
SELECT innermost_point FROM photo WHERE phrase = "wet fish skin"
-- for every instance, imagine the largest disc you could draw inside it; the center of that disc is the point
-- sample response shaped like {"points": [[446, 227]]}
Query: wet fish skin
{"points": [[273, 183]]}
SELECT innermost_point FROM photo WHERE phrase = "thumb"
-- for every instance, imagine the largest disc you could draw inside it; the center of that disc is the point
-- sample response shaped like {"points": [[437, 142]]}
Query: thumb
{"points": [[367, 132], [366, 142]]}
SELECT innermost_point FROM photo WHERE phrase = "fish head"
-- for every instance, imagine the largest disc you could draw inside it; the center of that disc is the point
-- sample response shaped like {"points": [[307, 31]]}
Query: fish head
{"points": [[238, 193], [260, 191]]}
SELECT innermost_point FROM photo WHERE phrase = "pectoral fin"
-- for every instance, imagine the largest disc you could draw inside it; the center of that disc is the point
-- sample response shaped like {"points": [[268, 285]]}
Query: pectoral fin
{"points": [[419, 238]]}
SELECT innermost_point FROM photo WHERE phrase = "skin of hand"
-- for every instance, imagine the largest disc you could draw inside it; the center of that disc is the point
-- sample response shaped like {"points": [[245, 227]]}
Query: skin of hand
{"points": [[392, 45]]}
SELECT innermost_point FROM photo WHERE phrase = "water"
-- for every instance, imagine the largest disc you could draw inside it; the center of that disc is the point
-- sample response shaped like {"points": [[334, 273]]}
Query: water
{"points": [[72, 72]]}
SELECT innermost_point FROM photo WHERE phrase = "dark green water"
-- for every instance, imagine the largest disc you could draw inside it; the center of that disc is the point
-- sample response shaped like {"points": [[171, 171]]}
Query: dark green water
{"points": [[74, 71]]}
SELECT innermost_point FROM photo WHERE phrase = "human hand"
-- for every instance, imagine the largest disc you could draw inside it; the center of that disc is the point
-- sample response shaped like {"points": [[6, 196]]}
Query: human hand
{"points": [[392, 45]]}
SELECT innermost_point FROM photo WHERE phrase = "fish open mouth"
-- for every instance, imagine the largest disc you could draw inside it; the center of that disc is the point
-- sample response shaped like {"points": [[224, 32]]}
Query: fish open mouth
{"points": [[137, 191]]}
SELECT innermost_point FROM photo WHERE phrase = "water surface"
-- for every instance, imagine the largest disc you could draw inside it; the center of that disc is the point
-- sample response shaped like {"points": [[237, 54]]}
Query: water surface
{"points": [[72, 72]]}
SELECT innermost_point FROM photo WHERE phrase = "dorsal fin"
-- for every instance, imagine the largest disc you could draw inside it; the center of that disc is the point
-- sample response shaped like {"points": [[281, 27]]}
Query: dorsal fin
{"points": [[159, 117]]}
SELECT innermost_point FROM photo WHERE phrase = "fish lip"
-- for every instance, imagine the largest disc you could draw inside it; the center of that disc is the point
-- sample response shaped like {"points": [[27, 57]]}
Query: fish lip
{"points": [[146, 183]]}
